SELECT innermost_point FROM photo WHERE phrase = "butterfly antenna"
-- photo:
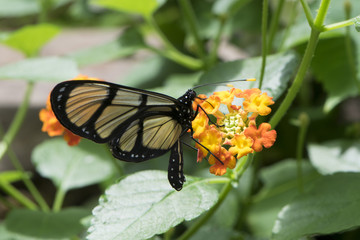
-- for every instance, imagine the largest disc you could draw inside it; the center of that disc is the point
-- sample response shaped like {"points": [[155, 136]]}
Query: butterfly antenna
{"points": [[220, 83]]}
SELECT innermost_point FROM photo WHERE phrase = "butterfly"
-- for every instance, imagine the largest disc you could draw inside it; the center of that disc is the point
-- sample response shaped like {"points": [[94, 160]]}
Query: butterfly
{"points": [[137, 124]]}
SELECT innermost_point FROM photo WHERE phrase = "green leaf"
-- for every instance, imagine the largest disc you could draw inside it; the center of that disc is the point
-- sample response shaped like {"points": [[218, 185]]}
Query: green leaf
{"points": [[332, 68], [144, 204], [10, 176], [335, 156], [72, 167], [279, 70], [280, 187], [31, 38], [332, 205], [42, 225], [40, 69], [8, 235], [144, 8], [128, 43]]}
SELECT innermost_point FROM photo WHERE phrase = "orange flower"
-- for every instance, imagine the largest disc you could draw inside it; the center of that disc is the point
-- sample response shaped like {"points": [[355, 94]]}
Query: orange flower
{"points": [[228, 162], [241, 145], [262, 136], [202, 152], [235, 131], [199, 124], [247, 93], [257, 103], [50, 123], [212, 139], [52, 126], [226, 97], [211, 105]]}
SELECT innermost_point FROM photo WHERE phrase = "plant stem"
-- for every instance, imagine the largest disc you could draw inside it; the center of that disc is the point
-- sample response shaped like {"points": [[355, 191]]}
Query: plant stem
{"points": [[195, 227], [304, 65], [171, 52], [264, 49], [27, 181], [308, 14], [59, 199], [241, 167], [338, 25], [320, 17], [16, 194], [275, 23], [16, 123], [294, 89], [45, 7], [190, 17], [304, 123]]}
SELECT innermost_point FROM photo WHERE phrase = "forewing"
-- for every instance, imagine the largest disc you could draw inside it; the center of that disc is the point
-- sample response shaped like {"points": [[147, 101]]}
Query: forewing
{"points": [[102, 111]]}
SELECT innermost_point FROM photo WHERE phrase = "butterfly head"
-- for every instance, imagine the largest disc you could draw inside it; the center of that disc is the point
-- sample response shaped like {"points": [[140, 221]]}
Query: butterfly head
{"points": [[188, 97]]}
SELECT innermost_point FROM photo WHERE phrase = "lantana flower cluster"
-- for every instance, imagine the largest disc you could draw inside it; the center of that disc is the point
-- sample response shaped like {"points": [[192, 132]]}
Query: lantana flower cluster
{"points": [[234, 134], [53, 127]]}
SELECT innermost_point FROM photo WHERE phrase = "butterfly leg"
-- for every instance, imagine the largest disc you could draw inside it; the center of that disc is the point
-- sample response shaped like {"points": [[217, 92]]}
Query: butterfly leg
{"points": [[207, 149], [197, 111], [176, 166]]}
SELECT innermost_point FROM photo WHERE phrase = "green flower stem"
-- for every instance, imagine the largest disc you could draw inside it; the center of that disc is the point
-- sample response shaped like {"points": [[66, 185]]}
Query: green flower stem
{"points": [[171, 52], [191, 18], [304, 65], [264, 49], [45, 7], [308, 14], [17, 122], [275, 23], [295, 87], [59, 199], [195, 227], [216, 43], [342, 24], [16, 194], [27, 181], [320, 17], [304, 123], [217, 180], [240, 168]]}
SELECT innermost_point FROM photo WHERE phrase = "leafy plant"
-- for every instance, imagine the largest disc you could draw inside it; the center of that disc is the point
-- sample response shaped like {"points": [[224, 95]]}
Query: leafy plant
{"points": [[304, 54]]}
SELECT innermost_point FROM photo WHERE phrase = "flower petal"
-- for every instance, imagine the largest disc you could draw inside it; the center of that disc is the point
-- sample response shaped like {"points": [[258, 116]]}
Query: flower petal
{"points": [[261, 136]]}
